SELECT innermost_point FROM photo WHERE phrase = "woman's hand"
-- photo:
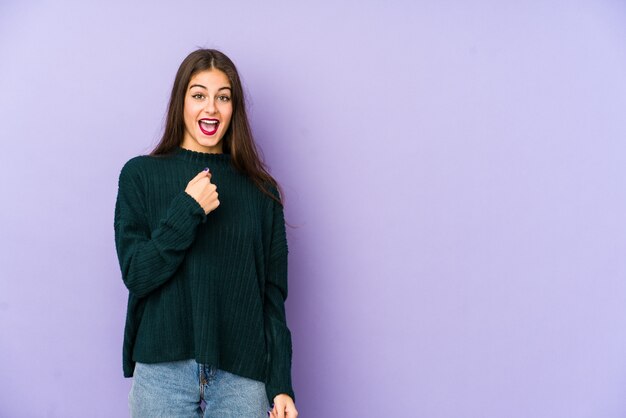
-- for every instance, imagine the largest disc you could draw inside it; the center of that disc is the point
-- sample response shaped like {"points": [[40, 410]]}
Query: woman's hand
{"points": [[203, 191], [283, 407]]}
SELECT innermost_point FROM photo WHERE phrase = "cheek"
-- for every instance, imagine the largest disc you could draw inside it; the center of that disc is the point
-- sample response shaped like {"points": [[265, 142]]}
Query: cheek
{"points": [[190, 120], [228, 114], [189, 113]]}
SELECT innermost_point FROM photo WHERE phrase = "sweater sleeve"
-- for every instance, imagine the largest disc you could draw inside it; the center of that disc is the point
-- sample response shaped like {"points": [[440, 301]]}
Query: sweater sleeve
{"points": [[149, 258], [277, 333]]}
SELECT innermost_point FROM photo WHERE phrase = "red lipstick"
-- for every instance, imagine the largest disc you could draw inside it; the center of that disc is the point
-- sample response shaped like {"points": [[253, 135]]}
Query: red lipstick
{"points": [[208, 126]]}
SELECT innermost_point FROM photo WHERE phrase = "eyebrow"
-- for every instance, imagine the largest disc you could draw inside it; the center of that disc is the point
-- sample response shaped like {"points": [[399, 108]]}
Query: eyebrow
{"points": [[200, 85]]}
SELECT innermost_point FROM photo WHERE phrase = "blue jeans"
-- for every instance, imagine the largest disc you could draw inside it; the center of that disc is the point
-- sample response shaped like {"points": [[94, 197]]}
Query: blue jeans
{"points": [[188, 389]]}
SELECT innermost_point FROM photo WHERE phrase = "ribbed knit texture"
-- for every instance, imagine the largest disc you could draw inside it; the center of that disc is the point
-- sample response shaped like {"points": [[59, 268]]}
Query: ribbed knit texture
{"points": [[209, 287]]}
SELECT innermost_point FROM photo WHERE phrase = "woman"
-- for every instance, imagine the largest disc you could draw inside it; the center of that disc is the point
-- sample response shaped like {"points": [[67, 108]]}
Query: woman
{"points": [[200, 237]]}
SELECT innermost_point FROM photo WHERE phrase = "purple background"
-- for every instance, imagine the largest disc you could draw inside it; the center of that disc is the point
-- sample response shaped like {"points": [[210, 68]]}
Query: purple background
{"points": [[455, 171]]}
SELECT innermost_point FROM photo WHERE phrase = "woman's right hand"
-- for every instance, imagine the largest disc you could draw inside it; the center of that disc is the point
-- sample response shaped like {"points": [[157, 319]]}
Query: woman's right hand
{"points": [[203, 191]]}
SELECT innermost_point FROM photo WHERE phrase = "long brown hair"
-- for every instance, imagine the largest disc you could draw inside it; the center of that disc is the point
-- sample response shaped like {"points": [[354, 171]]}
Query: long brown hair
{"points": [[237, 140]]}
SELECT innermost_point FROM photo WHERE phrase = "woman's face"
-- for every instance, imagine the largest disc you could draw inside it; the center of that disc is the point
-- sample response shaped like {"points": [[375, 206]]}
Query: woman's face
{"points": [[207, 111]]}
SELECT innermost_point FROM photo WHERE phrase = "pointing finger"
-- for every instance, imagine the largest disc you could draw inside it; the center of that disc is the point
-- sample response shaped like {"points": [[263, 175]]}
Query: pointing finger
{"points": [[201, 174]]}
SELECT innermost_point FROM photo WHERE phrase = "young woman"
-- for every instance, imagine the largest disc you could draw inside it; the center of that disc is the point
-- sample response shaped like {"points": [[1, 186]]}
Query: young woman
{"points": [[200, 237]]}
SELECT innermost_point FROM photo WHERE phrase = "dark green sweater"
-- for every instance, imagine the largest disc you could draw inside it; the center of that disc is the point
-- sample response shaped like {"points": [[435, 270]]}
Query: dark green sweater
{"points": [[208, 287]]}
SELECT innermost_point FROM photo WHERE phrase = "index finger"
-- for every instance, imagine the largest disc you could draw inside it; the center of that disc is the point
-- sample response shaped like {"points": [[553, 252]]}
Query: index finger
{"points": [[201, 174]]}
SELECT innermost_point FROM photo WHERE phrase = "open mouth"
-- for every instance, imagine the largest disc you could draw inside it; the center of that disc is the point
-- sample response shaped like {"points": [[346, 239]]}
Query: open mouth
{"points": [[208, 126]]}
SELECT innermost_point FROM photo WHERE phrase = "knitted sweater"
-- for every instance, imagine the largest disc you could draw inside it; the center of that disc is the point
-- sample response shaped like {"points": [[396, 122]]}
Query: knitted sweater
{"points": [[208, 287]]}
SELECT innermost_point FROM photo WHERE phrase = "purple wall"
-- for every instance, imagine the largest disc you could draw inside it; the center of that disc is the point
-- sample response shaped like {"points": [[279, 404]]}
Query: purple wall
{"points": [[456, 172]]}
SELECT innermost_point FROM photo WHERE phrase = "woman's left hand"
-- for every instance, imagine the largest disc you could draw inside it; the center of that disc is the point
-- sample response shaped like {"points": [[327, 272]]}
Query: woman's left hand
{"points": [[283, 407]]}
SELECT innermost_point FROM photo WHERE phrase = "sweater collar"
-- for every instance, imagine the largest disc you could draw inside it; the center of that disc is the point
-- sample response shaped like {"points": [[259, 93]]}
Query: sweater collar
{"points": [[201, 157]]}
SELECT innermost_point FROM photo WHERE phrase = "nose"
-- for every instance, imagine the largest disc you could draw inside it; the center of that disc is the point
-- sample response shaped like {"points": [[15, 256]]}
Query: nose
{"points": [[210, 107]]}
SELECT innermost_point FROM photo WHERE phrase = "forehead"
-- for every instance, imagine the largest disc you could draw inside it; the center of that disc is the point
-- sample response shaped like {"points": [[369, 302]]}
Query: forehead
{"points": [[211, 79]]}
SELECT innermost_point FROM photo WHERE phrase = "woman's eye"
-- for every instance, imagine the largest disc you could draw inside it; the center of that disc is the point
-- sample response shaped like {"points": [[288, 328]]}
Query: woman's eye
{"points": [[198, 96], [224, 98]]}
